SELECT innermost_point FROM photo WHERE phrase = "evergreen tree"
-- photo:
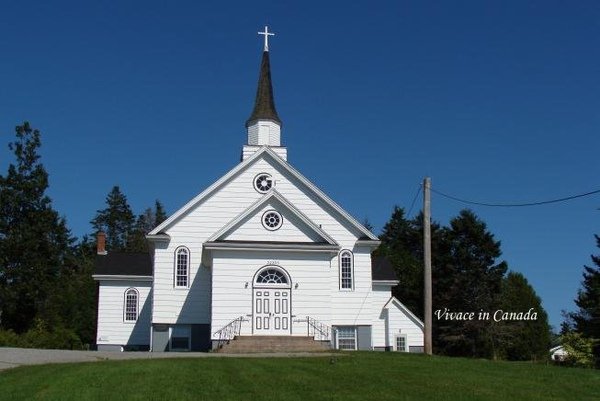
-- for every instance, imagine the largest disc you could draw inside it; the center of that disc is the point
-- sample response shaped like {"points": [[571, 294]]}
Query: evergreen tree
{"points": [[116, 220], [587, 319], [145, 223], [35, 244], [75, 302], [159, 214], [471, 282], [525, 339], [400, 244], [367, 224]]}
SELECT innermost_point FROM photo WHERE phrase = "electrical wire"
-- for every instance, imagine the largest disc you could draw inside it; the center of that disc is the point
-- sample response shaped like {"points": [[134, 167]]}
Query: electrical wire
{"points": [[568, 198], [414, 200]]}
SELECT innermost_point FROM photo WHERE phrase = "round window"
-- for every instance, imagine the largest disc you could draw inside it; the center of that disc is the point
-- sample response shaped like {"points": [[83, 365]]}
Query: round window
{"points": [[263, 182], [272, 220]]}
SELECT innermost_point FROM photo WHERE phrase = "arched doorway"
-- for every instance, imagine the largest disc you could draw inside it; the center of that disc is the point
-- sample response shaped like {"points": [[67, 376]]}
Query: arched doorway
{"points": [[271, 305]]}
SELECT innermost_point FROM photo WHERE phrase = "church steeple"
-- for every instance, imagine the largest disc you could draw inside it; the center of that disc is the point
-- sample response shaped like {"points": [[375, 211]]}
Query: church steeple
{"points": [[264, 104], [264, 125]]}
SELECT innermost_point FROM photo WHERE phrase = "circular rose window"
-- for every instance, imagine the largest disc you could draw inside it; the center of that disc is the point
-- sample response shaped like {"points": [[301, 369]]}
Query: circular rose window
{"points": [[263, 182], [272, 220]]}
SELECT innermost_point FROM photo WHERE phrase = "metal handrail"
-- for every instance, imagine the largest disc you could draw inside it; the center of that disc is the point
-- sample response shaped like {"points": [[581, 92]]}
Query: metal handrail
{"points": [[318, 330], [229, 331]]}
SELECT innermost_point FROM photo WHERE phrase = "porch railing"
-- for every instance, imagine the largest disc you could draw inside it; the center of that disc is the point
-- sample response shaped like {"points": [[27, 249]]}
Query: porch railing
{"points": [[229, 331], [318, 330]]}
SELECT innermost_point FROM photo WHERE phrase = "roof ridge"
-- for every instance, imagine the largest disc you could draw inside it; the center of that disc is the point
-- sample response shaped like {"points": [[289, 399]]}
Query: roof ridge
{"points": [[244, 164]]}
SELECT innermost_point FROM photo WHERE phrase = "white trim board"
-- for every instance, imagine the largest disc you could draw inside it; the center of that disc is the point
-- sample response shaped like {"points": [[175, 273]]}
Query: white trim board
{"points": [[386, 282], [263, 151], [117, 277], [403, 308], [272, 194]]}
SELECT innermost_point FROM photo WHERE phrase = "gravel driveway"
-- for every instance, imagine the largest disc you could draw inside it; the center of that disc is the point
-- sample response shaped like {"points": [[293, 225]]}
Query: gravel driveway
{"points": [[13, 357]]}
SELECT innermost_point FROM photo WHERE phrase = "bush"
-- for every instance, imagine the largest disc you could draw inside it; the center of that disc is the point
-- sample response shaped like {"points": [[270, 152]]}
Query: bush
{"points": [[9, 338], [41, 337], [578, 349]]}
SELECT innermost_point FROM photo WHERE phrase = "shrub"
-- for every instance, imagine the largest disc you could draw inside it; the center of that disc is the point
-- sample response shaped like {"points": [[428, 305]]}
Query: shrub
{"points": [[578, 349], [9, 338], [41, 337]]}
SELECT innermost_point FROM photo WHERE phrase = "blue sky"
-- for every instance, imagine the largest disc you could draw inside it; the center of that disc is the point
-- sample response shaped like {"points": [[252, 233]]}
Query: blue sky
{"points": [[496, 101]]}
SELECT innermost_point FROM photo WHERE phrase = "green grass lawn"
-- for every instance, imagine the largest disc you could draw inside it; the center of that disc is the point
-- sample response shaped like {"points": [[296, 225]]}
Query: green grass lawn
{"points": [[350, 376]]}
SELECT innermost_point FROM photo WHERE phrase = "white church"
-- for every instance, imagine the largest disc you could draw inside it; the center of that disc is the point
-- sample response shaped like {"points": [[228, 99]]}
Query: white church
{"points": [[261, 260]]}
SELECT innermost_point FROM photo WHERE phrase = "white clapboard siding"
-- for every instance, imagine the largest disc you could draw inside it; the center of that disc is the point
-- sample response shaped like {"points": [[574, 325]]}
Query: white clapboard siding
{"points": [[112, 328], [220, 208], [253, 134], [236, 195], [232, 299], [401, 323], [352, 307], [381, 295], [292, 229], [181, 305]]}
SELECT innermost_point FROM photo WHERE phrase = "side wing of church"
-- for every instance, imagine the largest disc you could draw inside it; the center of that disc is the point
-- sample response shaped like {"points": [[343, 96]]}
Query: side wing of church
{"points": [[260, 254]]}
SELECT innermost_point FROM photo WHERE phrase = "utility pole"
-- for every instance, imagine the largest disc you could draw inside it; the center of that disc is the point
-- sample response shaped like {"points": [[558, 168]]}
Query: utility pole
{"points": [[427, 262]]}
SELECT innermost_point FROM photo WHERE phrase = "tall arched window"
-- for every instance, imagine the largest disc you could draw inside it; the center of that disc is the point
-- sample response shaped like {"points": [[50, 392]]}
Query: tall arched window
{"points": [[130, 312], [346, 270], [182, 267]]}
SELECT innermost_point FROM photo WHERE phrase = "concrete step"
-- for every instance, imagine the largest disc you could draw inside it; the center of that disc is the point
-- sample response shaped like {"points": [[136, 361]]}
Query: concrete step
{"points": [[257, 344]]}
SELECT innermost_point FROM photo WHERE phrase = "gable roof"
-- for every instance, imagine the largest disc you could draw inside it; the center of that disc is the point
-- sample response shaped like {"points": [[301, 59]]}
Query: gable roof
{"points": [[382, 269], [123, 264], [263, 151], [259, 204], [394, 301]]}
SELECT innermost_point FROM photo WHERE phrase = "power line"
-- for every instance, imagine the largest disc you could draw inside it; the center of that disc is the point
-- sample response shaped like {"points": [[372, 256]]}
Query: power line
{"points": [[414, 200], [568, 198]]}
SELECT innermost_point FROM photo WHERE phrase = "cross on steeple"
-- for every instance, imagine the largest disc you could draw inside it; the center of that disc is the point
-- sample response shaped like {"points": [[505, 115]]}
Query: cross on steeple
{"points": [[266, 34]]}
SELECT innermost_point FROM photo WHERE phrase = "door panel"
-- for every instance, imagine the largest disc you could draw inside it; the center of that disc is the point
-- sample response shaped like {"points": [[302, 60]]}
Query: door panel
{"points": [[271, 312]]}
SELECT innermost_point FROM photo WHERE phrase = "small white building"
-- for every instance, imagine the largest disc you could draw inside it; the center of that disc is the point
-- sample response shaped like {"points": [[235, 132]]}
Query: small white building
{"points": [[558, 353], [260, 252]]}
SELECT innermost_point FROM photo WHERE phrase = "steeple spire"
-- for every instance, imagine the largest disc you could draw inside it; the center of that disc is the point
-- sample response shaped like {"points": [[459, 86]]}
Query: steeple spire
{"points": [[264, 104], [264, 125]]}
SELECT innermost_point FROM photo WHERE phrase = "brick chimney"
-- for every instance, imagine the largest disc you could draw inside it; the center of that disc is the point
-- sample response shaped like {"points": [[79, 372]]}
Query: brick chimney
{"points": [[101, 243]]}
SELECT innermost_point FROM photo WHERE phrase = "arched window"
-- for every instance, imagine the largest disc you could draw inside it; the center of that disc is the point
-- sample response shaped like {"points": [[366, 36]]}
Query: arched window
{"points": [[130, 311], [346, 270], [182, 267], [271, 276]]}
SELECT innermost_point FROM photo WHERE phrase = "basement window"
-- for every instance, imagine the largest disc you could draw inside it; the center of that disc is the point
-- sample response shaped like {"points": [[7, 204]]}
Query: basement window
{"points": [[180, 338], [346, 338]]}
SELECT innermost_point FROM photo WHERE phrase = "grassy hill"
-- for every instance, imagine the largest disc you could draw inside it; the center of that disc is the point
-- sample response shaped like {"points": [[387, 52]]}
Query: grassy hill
{"points": [[349, 376]]}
